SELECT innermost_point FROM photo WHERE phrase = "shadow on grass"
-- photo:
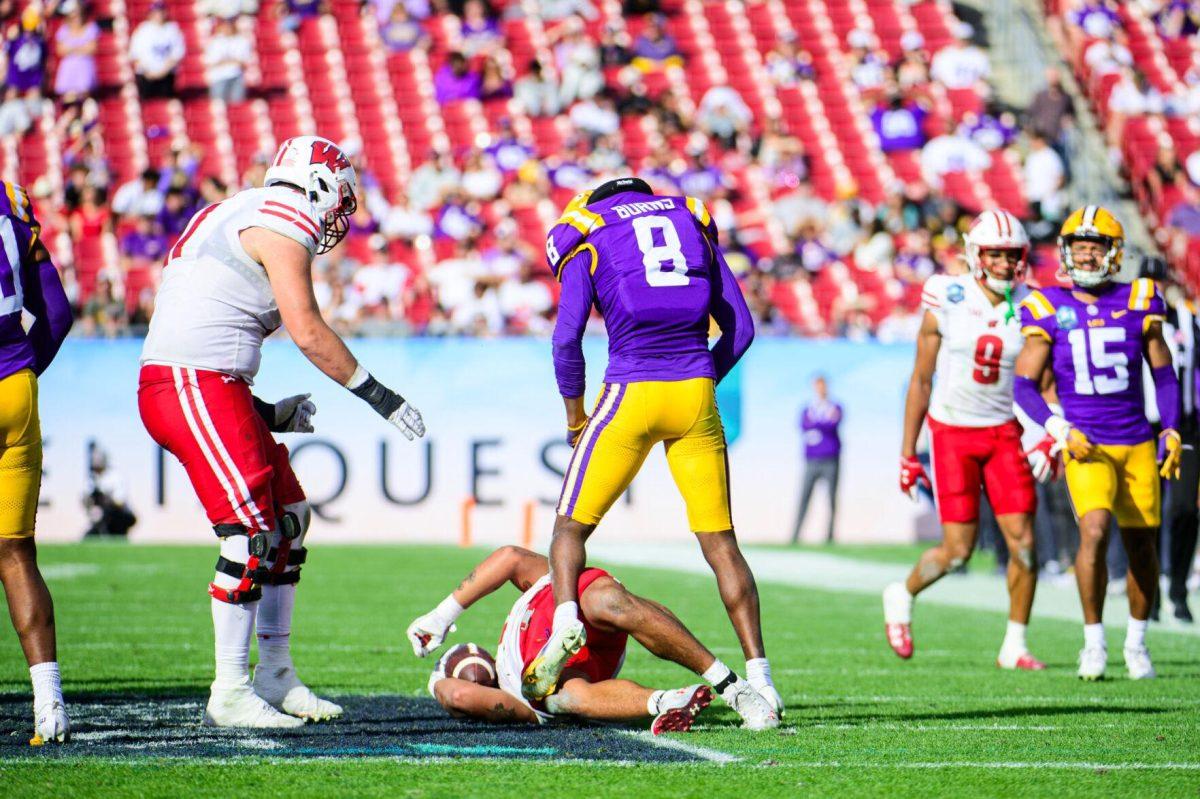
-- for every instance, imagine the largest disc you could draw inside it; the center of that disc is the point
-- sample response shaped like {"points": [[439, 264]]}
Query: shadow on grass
{"points": [[146, 724]]}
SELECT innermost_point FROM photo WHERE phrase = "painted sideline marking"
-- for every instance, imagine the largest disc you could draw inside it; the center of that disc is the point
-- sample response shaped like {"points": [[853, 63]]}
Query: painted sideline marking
{"points": [[711, 755], [846, 575]]}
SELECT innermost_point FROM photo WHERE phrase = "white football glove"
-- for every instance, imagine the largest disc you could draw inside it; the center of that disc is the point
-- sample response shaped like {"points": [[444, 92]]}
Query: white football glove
{"points": [[408, 420], [428, 632], [439, 674], [294, 414]]}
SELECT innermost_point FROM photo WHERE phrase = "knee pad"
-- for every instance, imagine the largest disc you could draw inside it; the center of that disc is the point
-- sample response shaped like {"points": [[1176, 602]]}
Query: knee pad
{"points": [[287, 552], [240, 565]]}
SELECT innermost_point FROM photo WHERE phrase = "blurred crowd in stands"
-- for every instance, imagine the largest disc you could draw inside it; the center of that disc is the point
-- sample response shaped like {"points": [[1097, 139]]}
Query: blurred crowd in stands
{"points": [[445, 255]]}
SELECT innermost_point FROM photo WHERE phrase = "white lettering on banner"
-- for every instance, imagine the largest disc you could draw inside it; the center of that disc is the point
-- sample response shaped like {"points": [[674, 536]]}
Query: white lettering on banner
{"points": [[633, 209], [494, 445]]}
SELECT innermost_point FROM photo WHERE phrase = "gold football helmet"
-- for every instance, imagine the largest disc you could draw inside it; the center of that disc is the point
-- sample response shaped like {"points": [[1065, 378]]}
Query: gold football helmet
{"points": [[1092, 223]]}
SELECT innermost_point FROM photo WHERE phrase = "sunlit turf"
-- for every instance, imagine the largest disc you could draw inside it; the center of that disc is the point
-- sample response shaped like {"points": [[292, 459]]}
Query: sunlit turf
{"points": [[135, 620]]}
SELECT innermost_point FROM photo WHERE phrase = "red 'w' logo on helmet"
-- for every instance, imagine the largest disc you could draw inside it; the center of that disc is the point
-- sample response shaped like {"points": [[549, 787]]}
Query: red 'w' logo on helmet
{"points": [[328, 155]]}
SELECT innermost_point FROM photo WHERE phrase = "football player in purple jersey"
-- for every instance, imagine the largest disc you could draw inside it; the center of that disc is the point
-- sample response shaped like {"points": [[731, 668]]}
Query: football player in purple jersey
{"points": [[29, 284], [1094, 336], [651, 266]]}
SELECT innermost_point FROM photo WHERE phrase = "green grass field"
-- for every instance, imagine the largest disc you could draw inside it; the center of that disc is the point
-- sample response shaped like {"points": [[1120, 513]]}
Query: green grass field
{"points": [[134, 624]]}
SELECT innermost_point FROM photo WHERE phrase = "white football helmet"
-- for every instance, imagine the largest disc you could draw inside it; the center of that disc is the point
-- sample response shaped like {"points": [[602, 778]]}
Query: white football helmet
{"points": [[996, 230], [321, 170]]}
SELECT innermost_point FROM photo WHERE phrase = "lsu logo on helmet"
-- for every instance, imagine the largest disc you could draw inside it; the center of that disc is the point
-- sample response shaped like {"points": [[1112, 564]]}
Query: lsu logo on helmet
{"points": [[1092, 223]]}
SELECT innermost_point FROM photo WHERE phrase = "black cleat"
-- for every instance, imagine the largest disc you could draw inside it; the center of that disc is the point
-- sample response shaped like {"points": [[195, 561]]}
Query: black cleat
{"points": [[1183, 613]]}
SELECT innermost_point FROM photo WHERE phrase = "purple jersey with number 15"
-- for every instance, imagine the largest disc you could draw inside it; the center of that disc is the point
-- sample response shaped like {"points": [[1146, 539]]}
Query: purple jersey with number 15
{"points": [[651, 267], [1097, 353]]}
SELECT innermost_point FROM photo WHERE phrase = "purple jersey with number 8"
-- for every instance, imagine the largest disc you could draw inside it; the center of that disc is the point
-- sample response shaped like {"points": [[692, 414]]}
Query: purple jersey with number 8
{"points": [[1097, 353], [651, 267]]}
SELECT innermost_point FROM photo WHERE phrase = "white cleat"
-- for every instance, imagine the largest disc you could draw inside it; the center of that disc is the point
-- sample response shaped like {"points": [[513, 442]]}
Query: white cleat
{"points": [[677, 709], [768, 692], [282, 690], [1137, 661], [239, 706], [757, 714], [1093, 660], [50, 724], [540, 677]]}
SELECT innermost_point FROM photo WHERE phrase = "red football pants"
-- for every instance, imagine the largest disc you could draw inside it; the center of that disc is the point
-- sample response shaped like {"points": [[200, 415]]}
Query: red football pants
{"points": [[967, 460], [207, 420]]}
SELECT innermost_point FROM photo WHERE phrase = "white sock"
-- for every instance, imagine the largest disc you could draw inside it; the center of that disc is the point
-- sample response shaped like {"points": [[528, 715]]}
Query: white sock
{"points": [[758, 671], [565, 614], [275, 625], [47, 683], [1135, 633], [1093, 636], [718, 673], [232, 628], [1014, 637], [652, 702]]}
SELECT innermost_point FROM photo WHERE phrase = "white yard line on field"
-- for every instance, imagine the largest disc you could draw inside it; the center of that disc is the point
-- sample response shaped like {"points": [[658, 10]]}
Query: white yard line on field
{"points": [[703, 752], [1055, 599]]}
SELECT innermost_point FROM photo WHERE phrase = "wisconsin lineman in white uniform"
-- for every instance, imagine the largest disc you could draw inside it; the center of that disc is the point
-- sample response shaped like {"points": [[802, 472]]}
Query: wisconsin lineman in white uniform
{"points": [[241, 269], [970, 336]]}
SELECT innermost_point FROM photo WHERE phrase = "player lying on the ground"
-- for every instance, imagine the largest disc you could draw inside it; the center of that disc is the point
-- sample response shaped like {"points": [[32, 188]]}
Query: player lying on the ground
{"points": [[651, 266], [1094, 337], [242, 268], [970, 336], [588, 687], [28, 282]]}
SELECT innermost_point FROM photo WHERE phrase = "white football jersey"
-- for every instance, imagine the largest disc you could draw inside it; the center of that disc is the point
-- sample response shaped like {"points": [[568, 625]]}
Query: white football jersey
{"points": [[973, 385], [215, 305], [509, 662]]}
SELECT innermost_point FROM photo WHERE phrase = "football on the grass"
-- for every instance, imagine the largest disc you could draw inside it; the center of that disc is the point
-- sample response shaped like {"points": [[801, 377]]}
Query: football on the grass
{"points": [[471, 662]]}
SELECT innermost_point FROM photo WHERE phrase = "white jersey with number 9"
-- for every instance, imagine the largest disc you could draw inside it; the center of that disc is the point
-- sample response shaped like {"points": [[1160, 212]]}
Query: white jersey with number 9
{"points": [[973, 385]]}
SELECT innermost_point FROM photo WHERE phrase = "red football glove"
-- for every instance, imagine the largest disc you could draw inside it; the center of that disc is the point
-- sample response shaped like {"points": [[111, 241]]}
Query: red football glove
{"points": [[912, 475], [1043, 460]]}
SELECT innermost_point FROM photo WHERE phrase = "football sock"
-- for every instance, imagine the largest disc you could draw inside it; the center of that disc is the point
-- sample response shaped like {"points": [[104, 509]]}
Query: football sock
{"points": [[1093, 636], [47, 683], [232, 626], [652, 702], [1135, 634], [1014, 637], [719, 676], [565, 614], [758, 671], [275, 625]]}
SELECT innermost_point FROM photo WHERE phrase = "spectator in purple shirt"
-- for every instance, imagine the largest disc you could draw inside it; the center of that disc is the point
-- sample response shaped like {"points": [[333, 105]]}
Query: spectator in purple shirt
{"points": [[176, 212], [143, 246], [899, 125], [655, 48], [455, 81], [819, 422], [25, 51]]}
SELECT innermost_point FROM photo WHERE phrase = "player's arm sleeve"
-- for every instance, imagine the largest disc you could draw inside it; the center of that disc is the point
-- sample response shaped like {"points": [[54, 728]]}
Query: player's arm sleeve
{"points": [[574, 308], [46, 302], [729, 309], [287, 219]]}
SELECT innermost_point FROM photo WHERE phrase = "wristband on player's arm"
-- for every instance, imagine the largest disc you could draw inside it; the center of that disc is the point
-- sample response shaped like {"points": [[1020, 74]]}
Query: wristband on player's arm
{"points": [[265, 410], [376, 394], [1028, 395], [1166, 395]]}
